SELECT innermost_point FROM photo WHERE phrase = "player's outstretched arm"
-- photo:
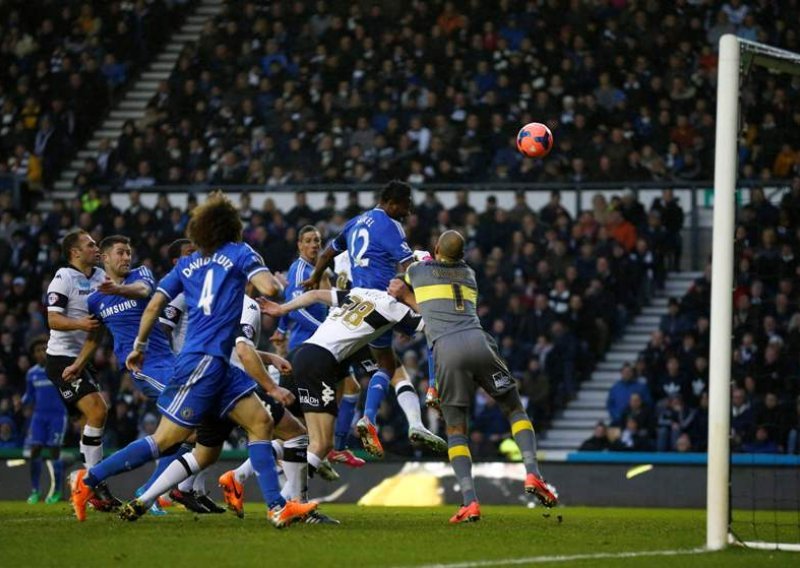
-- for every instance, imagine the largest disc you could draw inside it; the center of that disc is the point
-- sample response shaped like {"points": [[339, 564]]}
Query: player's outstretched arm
{"points": [[266, 283], [402, 293], [74, 370], [305, 299], [323, 261], [283, 365], [135, 290], [254, 366], [60, 322], [149, 318]]}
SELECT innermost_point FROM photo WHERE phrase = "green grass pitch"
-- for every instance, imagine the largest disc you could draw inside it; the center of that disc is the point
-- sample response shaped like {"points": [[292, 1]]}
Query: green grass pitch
{"points": [[42, 535]]}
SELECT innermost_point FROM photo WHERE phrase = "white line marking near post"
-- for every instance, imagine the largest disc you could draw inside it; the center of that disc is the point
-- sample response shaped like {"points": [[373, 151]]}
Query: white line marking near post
{"points": [[570, 558]]}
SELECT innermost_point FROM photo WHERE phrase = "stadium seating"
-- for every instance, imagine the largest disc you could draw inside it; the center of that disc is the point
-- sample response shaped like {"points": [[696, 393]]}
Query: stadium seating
{"points": [[273, 94], [276, 94], [64, 64]]}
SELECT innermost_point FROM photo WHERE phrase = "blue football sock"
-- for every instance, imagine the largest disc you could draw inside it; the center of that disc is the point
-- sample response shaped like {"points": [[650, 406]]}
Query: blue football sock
{"points": [[58, 473], [263, 463], [431, 369], [130, 457], [347, 407], [378, 385], [36, 473], [162, 464]]}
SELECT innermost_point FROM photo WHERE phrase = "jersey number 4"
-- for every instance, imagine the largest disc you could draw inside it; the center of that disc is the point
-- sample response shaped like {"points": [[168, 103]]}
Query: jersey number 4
{"points": [[357, 252], [207, 293]]}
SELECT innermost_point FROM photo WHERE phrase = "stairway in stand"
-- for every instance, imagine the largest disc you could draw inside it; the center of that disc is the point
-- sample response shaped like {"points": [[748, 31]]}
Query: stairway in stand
{"points": [[576, 422], [132, 105]]}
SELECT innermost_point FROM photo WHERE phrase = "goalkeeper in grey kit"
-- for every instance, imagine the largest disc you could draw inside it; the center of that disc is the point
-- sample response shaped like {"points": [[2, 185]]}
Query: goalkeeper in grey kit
{"points": [[444, 291]]}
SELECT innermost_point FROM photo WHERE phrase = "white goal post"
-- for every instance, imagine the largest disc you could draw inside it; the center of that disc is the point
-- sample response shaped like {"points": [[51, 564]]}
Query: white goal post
{"points": [[735, 57]]}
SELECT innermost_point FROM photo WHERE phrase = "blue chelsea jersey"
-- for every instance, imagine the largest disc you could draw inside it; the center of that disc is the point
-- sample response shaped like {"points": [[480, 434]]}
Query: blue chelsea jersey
{"points": [[300, 324], [42, 393], [376, 244], [213, 286], [122, 317]]}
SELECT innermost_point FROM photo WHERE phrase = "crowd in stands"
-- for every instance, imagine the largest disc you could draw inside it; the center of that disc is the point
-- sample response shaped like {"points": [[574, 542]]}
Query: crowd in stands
{"points": [[62, 63], [555, 290], [278, 93], [435, 91], [661, 400]]}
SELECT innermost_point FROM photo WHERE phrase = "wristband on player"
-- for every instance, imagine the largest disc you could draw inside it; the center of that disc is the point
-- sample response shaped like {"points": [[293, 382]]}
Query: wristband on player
{"points": [[140, 346]]}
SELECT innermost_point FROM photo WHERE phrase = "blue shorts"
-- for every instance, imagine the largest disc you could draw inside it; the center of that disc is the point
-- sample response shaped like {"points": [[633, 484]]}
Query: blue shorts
{"points": [[202, 386], [47, 429], [153, 379], [384, 341]]}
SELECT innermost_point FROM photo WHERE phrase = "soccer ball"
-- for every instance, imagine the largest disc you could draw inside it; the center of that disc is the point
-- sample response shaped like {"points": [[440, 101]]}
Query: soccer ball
{"points": [[535, 140]]}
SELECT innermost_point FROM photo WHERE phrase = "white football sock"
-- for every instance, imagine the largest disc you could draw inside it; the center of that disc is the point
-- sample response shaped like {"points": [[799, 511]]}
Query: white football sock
{"points": [[187, 484], [91, 445], [277, 448], [295, 467], [244, 471], [179, 470], [199, 484], [313, 460], [408, 400]]}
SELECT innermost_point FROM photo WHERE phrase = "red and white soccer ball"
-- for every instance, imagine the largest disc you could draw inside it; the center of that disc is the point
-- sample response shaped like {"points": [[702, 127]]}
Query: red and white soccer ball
{"points": [[535, 140]]}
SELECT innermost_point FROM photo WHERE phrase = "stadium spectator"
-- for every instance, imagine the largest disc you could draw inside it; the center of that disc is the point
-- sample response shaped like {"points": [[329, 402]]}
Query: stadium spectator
{"points": [[275, 97], [598, 442], [63, 66], [631, 439], [619, 396], [334, 102]]}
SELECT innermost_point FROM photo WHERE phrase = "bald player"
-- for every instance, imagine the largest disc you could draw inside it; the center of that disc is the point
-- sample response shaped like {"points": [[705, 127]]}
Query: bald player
{"points": [[444, 291]]}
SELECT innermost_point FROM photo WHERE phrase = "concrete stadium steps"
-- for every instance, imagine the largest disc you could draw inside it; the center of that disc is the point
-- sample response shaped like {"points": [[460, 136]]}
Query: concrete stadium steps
{"points": [[575, 423], [133, 104]]}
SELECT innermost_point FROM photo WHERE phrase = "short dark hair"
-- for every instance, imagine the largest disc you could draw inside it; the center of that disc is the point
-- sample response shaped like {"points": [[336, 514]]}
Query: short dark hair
{"points": [[214, 223], [306, 229], [175, 248], [112, 240], [70, 241], [39, 340], [397, 191]]}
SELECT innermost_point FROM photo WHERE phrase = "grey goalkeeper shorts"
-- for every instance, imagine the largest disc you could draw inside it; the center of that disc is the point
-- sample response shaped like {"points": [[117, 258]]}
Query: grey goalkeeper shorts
{"points": [[466, 360]]}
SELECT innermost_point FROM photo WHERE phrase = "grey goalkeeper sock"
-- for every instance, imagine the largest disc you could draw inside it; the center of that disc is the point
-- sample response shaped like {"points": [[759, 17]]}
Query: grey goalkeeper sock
{"points": [[461, 460], [525, 437]]}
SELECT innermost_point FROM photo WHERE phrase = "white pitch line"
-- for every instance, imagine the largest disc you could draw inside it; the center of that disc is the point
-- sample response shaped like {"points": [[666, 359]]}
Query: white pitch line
{"points": [[571, 558]]}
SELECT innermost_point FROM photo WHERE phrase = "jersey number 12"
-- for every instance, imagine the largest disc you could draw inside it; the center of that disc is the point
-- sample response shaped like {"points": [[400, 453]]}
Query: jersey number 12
{"points": [[207, 293], [356, 252]]}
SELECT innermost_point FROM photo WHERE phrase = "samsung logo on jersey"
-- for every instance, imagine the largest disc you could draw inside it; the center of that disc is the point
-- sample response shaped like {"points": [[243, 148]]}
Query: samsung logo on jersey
{"points": [[118, 308], [216, 258]]}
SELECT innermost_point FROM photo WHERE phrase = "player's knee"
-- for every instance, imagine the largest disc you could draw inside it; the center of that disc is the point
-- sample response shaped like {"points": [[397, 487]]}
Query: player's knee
{"points": [[35, 451], [455, 418], [289, 427], [510, 402], [260, 426], [95, 410]]}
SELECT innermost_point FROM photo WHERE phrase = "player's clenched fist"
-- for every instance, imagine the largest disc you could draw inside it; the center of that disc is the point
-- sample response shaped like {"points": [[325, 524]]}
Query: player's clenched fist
{"points": [[134, 361]]}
